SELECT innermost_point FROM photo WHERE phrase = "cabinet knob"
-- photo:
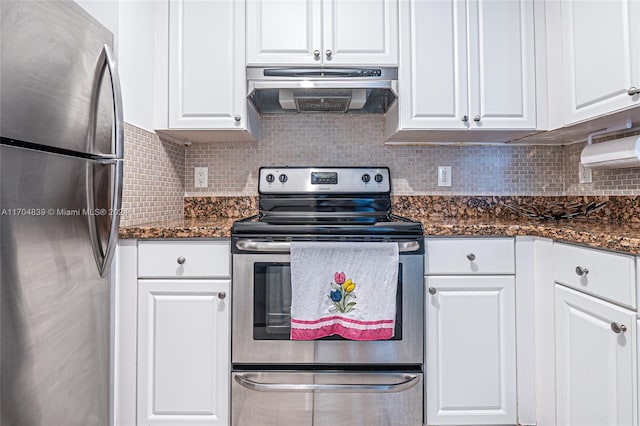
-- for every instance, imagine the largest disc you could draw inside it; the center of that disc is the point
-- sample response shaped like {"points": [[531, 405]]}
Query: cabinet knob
{"points": [[471, 257], [581, 271], [222, 295], [618, 328], [237, 118], [633, 91], [432, 290], [328, 53], [476, 118], [465, 118], [316, 53], [181, 260]]}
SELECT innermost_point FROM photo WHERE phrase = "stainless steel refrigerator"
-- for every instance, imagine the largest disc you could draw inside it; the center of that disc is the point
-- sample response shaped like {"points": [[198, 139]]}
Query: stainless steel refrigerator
{"points": [[60, 194]]}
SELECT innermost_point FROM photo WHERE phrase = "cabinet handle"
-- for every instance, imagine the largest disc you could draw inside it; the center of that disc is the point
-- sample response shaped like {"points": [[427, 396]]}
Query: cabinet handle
{"points": [[476, 118], [581, 271], [465, 118], [432, 290], [471, 257], [222, 295], [181, 260], [237, 118], [618, 328], [316, 53], [328, 53], [633, 91]]}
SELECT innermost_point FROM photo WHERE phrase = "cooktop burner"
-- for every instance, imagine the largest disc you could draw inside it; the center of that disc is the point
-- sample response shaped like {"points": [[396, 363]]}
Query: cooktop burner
{"points": [[337, 201]]}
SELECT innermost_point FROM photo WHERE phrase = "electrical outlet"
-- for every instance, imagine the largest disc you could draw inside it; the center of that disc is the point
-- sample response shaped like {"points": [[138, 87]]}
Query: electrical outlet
{"points": [[584, 174], [444, 175], [201, 177]]}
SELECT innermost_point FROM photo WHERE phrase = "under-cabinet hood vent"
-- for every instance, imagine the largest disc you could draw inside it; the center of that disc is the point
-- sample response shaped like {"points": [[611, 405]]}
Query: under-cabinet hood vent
{"points": [[359, 90]]}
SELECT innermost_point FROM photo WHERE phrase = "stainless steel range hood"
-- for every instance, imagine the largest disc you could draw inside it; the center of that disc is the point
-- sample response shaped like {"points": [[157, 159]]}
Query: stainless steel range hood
{"points": [[352, 90]]}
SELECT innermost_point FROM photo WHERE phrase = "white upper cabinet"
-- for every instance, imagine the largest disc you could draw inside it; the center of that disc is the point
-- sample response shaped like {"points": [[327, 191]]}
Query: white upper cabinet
{"points": [[601, 57], [201, 94], [322, 32], [467, 65]]}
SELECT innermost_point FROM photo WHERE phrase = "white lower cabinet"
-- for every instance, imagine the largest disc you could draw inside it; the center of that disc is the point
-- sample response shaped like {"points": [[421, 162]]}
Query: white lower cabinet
{"points": [[595, 360], [183, 352]]}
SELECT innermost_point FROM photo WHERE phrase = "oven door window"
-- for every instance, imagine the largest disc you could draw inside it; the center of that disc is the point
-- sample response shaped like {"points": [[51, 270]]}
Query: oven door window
{"points": [[272, 303]]}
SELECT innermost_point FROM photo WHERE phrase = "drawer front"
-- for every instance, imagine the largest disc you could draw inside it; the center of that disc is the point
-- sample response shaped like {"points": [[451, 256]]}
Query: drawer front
{"points": [[610, 276], [464, 256], [192, 259]]}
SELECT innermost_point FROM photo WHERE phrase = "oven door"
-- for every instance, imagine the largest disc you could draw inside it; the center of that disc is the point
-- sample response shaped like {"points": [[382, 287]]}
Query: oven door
{"points": [[326, 398], [261, 318]]}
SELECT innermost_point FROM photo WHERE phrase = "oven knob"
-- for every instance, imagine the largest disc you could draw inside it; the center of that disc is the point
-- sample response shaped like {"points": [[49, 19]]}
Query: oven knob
{"points": [[366, 178], [282, 178], [378, 178], [270, 178]]}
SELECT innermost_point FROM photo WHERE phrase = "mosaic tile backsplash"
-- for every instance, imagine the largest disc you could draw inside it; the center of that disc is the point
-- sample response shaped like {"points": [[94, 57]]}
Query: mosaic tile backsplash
{"points": [[153, 186], [159, 173], [348, 140]]}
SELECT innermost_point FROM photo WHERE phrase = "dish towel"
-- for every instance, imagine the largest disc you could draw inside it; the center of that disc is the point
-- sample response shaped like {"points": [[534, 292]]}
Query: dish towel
{"points": [[343, 288]]}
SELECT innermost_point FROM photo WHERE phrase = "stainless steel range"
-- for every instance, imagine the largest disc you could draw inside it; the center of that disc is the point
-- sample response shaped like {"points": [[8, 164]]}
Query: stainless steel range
{"points": [[279, 381]]}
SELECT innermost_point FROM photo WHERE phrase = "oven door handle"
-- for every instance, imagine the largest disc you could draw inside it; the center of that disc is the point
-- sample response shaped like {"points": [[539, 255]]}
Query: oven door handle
{"points": [[285, 247], [407, 381]]}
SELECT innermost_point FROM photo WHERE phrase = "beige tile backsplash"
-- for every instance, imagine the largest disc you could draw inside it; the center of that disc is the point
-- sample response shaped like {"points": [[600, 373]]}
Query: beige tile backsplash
{"points": [[159, 173], [153, 188]]}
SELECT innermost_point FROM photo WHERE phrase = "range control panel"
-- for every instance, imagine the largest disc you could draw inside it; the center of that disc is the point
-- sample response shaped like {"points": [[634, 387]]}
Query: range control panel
{"points": [[341, 180]]}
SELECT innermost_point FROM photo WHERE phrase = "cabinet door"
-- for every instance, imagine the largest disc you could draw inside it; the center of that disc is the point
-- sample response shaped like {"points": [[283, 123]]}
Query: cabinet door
{"points": [[601, 52], [501, 64], [594, 365], [433, 77], [471, 350], [360, 32], [284, 32], [207, 78], [183, 352]]}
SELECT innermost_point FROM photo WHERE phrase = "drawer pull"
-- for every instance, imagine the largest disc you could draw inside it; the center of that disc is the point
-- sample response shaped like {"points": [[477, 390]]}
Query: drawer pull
{"points": [[222, 295], [618, 328], [581, 271], [181, 260], [432, 290], [471, 257]]}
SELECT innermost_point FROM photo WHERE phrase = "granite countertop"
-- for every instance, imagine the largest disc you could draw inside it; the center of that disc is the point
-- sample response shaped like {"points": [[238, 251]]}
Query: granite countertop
{"points": [[623, 237]]}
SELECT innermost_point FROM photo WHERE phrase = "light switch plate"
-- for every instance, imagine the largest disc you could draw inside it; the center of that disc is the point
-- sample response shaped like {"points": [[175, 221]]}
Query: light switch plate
{"points": [[444, 175]]}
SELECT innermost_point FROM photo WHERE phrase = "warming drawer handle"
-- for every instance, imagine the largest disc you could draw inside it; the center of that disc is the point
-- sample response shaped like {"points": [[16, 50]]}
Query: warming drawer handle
{"points": [[407, 382], [285, 247]]}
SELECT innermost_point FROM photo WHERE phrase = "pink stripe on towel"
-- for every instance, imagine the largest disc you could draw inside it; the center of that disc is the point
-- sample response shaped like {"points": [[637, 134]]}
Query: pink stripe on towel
{"points": [[354, 321], [346, 332]]}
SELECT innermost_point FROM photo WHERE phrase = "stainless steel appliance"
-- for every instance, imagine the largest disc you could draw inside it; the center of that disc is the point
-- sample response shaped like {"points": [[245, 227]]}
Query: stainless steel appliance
{"points": [[326, 89], [61, 148], [277, 381]]}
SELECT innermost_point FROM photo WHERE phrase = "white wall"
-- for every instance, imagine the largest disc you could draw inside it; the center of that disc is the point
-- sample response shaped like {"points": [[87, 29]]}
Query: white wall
{"points": [[136, 61], [133, 24]]}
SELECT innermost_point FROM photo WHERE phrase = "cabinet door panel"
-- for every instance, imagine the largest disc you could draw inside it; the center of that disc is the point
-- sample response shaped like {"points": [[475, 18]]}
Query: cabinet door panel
{"points": [[594, 371], [601, 56], [183, 352], [206, 64], [284, 32], [502, 64], [360, 32], [434, 73], [470, 350]]}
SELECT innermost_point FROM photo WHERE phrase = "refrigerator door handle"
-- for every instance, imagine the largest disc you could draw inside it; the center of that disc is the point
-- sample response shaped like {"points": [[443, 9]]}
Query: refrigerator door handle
{"points": [[104, 256], [105, 61]]}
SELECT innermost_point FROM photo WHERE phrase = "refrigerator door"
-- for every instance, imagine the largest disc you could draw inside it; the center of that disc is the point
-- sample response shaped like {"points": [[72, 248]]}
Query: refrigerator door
{"points": [[58, 82], [55, 306]]}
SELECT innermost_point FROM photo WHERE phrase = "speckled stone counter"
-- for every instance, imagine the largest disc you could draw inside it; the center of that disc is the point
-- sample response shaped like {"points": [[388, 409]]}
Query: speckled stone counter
{"points": [[615, 227]]}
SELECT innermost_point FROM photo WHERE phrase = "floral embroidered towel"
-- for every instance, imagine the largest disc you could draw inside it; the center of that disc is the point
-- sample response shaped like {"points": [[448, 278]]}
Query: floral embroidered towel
{"points": [[342, 288]]}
